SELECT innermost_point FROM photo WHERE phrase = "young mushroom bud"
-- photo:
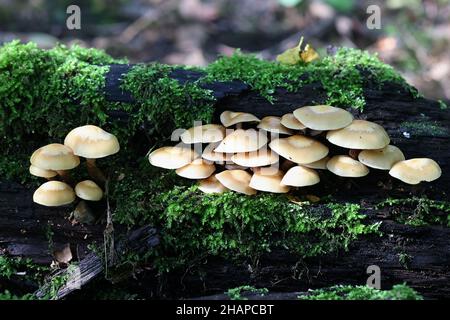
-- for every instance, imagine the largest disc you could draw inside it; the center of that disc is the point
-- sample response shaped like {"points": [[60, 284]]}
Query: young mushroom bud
{"points": [[345, 166], [54, 194], [414, 171], [300, 176], [88, 190], [323, 117]]}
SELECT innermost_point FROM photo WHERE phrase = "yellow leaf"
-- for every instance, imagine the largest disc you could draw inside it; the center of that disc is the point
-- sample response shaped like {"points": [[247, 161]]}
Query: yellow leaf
{"points": [[296, 55], [290, 56], [309, 54]]}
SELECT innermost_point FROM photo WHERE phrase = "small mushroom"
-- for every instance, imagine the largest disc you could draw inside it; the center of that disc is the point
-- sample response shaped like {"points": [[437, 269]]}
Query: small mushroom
{"points": [[299, 149], [268, 182], [197, 169], [259, 158], [88, 190], [92, 142], [360, 134], [300, 176], [273, 124], [319, 164], [218, 157], [236, 180], [172, 157], [242, 141], [211, 185], [229, 118], [43, 173], [54, 194], [291, 122], [203, 134], [323, 117], [345, 166], [414, 171], [382, 159]]}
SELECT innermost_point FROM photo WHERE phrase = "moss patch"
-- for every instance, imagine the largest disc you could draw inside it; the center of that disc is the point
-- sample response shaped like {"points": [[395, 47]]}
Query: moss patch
{"points": [[424, 128]]}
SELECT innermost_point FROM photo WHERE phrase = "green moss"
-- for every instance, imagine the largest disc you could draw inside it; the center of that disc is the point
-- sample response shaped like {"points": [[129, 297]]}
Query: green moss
{"points": [[424, 128], [236, 293], [398, 292], [7, 295], [404, 259]]}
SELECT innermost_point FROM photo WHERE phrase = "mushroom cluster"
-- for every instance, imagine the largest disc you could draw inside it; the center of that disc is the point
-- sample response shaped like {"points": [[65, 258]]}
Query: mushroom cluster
{"points": [[53, 162], [273, 154]]}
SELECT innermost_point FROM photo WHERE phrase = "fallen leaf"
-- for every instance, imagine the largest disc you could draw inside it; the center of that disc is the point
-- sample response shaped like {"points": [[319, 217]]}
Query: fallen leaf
{"points": [[298, 55]]}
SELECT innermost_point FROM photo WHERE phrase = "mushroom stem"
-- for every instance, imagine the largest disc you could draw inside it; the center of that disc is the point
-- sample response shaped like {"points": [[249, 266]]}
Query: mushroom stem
{"points": [[95, 172], [65, 176], [353, 153]]}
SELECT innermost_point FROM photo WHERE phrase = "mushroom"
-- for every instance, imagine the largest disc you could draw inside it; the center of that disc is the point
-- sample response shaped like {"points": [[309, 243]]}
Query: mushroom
{"points": [[92, 142], [273, 124], [290, 121], [218, 157], [236, 180], [197, 169], [211, 185], [56, 157], [360, 134], [88, 190], [345, 166], [300, 176], [54, 194], [259, 158], [382, 159], [43, 173], [414, 171], [323, 117], [299, 149], [268, 182], [172, 157], [319, 164], [233, 166], [203, 134], [242, 141], [229, 118]]}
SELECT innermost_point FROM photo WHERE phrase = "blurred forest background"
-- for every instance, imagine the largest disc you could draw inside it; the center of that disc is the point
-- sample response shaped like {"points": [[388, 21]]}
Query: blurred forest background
{"points": [[414, 35]]}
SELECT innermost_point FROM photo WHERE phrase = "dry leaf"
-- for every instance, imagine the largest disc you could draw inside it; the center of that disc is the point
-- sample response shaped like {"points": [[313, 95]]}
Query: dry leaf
{"points": [[297, 55]]}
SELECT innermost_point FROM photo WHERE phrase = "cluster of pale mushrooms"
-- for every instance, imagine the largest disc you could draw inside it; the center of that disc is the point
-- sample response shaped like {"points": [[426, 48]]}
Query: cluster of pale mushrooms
{"points": [[237, 158], [54, 160]]}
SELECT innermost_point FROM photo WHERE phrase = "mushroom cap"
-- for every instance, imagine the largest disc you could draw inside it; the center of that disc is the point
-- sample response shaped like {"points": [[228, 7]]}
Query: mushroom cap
{"points": [[273, 124], [290, 121], [54, 194], [229, 118], [299, 149], [211, 155], [300, 176], [242, 141], [204, 134], [319, 164], [323, 117], [260, 158], [345, 166], [236, 180], [211, 185], [197, 169], [268, 182], [54, 156], [43, 173], [234, 166], [414, 171], [382, 159], [360, 134], [88, 190], [92, 142], [172, 157]]}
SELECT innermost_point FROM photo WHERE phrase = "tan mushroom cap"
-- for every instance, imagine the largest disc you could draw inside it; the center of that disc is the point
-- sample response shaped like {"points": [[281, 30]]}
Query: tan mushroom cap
{"points": [[88, 190], [382, 159], [323, 117], [290, 121], [268, 182], [234, 166], [204, 134], [242, 141], [345, 166], [300, 176], [273, 124], [229, 118], [414, 171], [360, 134], [236, 180], [211, 185], [53, 194], [43, 173], [197, 169], [319, 164], [299, 149], [172, 157], [211, 155], [92, 142], [259, 158], [54, 156]]}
